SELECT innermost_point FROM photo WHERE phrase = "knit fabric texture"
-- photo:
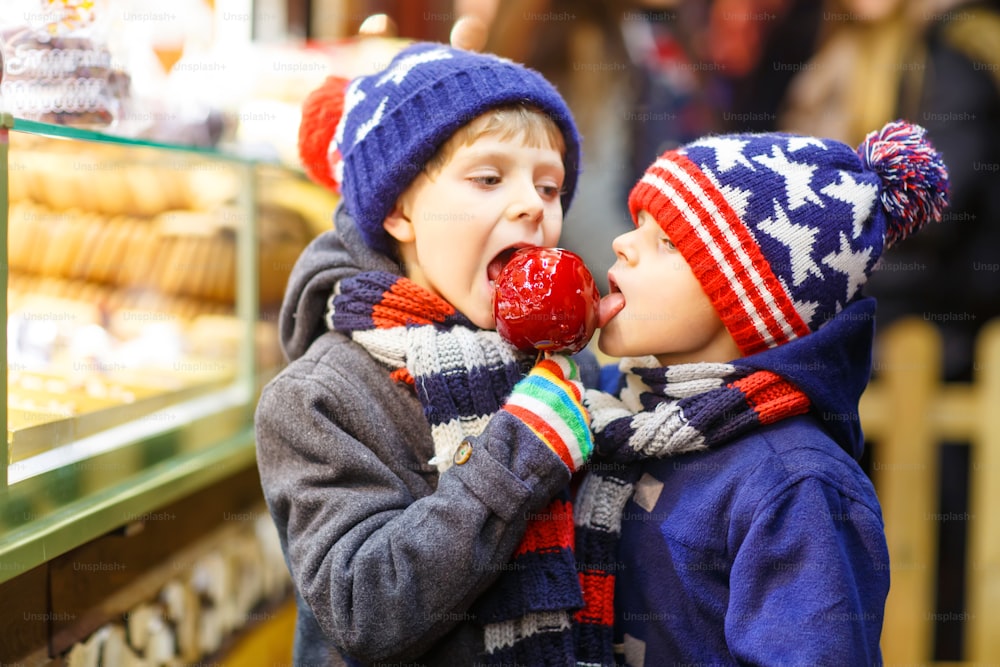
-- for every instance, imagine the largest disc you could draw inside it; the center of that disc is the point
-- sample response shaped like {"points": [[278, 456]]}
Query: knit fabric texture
{"points": [[395, 120], [461, 374], [782, 231]]}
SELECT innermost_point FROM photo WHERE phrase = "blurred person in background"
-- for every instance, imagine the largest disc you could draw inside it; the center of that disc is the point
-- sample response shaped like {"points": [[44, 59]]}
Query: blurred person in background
{"points": [[756, 48]]}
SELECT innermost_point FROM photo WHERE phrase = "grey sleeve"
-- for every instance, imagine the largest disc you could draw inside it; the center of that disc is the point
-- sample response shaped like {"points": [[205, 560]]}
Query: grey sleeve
{"points": [[385, 560]]}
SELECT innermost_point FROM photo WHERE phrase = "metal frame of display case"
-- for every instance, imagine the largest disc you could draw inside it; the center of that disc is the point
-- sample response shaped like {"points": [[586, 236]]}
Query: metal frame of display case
{"points": [[114, 477]]}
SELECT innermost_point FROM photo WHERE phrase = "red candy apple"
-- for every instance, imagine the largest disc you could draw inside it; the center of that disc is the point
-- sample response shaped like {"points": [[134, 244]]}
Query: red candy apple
{"points": [[546, 299]]}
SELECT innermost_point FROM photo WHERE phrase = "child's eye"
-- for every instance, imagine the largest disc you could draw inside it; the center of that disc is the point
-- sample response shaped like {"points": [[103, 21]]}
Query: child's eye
{"points": [[489, 180], [666, 242], [549, 191]]}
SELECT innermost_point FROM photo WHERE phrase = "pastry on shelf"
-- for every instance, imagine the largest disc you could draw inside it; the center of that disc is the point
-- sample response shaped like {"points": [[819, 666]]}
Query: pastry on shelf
{"points": [[59, 79]]}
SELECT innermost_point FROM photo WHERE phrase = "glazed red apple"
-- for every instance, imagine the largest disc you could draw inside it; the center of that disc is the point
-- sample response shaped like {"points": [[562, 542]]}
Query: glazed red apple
{"points": [[546, 299]]}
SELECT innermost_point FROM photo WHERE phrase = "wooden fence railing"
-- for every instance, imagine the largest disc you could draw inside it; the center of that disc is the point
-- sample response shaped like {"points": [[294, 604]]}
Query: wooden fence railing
{"points": [[907, 411]]}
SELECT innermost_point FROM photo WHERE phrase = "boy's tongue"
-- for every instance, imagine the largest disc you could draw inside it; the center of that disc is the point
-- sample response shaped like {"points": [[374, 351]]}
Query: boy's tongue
{"points": [[494, 268], [609, 306]]}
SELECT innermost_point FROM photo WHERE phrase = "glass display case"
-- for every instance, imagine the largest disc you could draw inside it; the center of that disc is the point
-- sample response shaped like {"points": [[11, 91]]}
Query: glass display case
{"points": [[141, 292]]}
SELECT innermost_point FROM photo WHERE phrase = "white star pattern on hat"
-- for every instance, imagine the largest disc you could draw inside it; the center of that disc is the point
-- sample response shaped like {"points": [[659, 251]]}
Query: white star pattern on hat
{"points": [[738, 198], [367, 126], [728, 152], [800, 240], [353, 96], [850, 262], [806, 309], [403, 67], [797, 177], [860, 196], [790, 225], [798, 143], [396, 75]]}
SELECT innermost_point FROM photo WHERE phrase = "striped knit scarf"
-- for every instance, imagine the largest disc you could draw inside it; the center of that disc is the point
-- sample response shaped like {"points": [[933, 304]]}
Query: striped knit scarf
{"points": [[661, 411], [462, 376], [547, 608]]}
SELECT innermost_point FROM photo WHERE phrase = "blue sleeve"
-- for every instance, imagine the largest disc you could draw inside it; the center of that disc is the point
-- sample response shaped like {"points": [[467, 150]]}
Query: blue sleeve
{"points": [[809, 580], [590, 368]]}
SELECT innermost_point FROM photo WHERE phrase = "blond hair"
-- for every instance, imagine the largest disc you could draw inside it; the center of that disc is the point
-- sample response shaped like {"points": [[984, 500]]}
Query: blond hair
{"points": [[520, 121]]}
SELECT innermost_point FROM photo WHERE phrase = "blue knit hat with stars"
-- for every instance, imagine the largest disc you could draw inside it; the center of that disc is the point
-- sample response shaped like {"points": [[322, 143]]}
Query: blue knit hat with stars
{"points": [[782, 231], [392, 122]]}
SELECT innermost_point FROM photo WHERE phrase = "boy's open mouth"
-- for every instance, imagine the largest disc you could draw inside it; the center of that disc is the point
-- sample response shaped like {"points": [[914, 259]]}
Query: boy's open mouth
{"points": [[496, 264]]}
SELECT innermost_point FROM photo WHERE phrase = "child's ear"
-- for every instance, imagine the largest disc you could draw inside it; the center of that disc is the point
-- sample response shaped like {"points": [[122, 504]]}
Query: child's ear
{"points": [[398, 225]]}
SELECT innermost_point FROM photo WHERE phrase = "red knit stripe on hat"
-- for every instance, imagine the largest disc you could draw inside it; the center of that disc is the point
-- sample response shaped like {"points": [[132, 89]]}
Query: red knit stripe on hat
{"points": [[550, 529], [598, 598], [719, 227], [731, 294], [773, 296], [722, 253]]}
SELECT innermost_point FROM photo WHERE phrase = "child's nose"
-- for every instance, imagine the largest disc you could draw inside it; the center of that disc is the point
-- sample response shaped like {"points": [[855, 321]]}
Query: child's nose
{"points": [[526, 203], [622, 246]]}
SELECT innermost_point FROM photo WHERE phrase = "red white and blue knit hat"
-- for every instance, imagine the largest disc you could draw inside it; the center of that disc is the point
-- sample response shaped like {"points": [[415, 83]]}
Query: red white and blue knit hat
{"points": [[368, 138], [781, 230]]}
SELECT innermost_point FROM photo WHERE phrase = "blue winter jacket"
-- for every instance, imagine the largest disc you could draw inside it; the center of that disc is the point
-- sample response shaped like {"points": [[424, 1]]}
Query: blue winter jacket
{"points": [[770, 549]]}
